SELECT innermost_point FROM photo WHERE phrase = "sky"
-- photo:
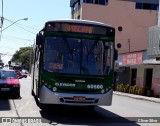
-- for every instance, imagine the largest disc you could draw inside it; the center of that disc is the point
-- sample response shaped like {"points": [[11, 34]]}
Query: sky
{"points": [[23, 33]]}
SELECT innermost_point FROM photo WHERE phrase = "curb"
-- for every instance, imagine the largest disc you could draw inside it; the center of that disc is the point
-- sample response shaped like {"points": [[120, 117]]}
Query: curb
{"points": [[152, 99]]}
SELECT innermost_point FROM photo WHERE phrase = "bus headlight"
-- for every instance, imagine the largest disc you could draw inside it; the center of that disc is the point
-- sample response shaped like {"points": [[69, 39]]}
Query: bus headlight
{"points": [[54, 89], [49, 86], [102, 91]]}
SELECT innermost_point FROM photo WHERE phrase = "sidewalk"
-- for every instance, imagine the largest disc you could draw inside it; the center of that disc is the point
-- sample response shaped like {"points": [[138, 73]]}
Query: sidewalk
{"points": [[152, 99]]}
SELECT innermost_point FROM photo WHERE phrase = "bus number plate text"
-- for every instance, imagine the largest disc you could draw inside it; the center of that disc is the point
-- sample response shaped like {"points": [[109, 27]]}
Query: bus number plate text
{"points": [[79, 98]]}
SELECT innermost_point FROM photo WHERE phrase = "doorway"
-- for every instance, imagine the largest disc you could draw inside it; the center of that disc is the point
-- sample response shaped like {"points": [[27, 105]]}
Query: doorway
{"points": [[133, 76], [148, 80]]}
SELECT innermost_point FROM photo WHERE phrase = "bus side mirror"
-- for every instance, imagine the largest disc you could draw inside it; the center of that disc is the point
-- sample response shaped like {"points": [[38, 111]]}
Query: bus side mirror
{"points": [[115, 54], [39, 39]]}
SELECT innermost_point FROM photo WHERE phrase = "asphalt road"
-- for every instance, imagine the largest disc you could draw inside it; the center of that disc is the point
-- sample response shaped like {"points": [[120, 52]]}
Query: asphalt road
{"points": [[123, 112]]}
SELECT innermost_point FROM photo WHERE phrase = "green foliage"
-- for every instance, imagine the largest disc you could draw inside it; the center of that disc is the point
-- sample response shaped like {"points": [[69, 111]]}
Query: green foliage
{"points": [[23, 55]]}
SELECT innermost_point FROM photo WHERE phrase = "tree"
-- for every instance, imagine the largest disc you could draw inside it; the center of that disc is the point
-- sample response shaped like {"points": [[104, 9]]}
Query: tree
{"points": [[23, 55]]}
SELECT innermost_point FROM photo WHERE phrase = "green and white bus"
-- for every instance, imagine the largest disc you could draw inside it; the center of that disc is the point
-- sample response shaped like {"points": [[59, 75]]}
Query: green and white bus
{"points": [[74, 63]]}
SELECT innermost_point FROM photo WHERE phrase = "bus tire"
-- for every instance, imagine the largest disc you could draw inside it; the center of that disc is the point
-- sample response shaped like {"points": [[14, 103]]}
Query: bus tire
{"points": [[32, 93], [17, 95], [91, 107], [41, 106]]}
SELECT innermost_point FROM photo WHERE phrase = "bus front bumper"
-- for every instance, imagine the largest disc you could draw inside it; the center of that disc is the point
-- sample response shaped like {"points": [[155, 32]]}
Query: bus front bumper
{"points": [[49, 97]]}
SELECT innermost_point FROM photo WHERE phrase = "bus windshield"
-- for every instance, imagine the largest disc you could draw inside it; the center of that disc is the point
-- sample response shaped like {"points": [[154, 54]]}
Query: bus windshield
{"points": [[78, 56]]}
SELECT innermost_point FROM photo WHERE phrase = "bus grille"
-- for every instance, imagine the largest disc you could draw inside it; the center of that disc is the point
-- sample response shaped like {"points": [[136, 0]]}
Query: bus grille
{"points": [[87, 80], [71, 100]]}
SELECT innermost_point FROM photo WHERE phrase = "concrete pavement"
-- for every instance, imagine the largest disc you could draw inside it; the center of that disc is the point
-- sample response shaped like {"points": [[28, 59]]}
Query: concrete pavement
{"points": [[152, 99]]}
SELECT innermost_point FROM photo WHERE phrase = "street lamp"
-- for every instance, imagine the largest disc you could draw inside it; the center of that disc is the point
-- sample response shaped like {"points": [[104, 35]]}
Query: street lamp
{"points": [[14, 23]]}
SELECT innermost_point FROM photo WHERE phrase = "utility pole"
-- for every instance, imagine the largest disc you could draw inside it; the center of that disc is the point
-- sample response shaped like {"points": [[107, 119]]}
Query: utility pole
{"points": [[2, 16], [1, 25]]}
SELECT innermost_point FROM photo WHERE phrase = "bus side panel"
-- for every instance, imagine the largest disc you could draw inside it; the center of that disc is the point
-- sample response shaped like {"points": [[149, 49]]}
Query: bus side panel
{"points": [[36, 74]]}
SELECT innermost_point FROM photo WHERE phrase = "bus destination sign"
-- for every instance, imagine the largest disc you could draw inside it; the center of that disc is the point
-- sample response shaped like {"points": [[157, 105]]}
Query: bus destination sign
{"points": [[77, 28]]}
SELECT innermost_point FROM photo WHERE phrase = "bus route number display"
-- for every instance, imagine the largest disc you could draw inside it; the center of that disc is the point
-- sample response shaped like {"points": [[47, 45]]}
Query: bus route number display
{"points": [[76, 28], [79, 28]]}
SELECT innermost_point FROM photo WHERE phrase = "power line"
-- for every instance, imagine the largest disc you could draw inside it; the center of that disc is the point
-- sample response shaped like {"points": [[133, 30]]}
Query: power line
{"points": [[25, 29], [17, 38], [30, 27], [21, 43], [25, 19], [7, 47], [4, 54], [21, 26]]}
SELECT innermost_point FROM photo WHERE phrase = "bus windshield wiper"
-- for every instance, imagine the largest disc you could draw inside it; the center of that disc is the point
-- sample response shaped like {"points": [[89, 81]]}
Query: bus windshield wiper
{"points": [[67, 44], [92, 47]]}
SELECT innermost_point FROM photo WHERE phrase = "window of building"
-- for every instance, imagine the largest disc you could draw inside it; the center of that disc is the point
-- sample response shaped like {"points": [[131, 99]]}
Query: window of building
{"points": [[139, 5], [78, 17], [147, 6], [96, 1], [100, 2], [155, 6], [89, 1], [76, 7], [103, 2]]}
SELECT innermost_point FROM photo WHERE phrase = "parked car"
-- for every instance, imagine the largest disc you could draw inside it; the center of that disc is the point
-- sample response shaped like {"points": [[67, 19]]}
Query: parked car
{"points": [[20, 74], [9, 83]]}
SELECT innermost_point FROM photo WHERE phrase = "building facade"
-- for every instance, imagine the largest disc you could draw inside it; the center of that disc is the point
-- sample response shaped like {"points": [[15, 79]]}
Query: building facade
{"points": [[131, 20]]}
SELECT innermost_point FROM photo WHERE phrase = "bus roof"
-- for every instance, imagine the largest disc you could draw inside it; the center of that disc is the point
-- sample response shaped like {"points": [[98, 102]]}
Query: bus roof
{"points": [[80, 22]]}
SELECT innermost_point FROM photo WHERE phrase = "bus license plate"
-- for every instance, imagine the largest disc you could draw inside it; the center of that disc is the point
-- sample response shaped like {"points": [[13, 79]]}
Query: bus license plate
{"points": [[79, 98], [5, 89]]}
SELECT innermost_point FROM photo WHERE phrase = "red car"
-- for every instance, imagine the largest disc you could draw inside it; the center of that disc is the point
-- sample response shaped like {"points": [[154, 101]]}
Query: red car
{"points": [[20, 74], [9, 83]]}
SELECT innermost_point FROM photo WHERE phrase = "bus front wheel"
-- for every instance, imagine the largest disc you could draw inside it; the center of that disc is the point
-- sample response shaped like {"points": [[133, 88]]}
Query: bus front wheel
{"points": [[91, 107], [41, 106], [32, 93]]}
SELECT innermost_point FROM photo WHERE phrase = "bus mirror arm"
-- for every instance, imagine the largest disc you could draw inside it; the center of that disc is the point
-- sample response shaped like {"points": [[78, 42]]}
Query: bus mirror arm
{"points": [[67, 44], [39, 39]]}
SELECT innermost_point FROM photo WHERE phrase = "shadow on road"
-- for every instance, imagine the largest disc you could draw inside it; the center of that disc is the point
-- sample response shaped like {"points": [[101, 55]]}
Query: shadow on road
{"points": [[70, 115], [4, 102]]}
